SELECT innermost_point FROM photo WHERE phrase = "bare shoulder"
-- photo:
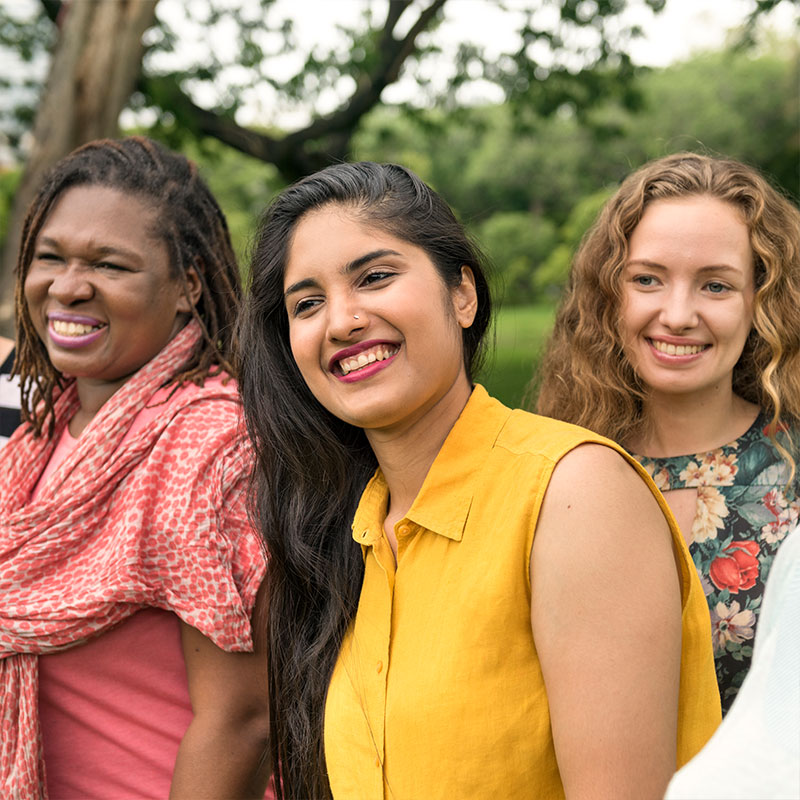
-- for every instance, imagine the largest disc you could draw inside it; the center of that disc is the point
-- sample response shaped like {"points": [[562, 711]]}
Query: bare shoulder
{"points": [[597, 470], [591, 455], [598, 499]]}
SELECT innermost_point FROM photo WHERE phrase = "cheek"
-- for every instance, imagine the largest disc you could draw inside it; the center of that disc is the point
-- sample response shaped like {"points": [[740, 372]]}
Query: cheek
{"points": [[34, 290], [742, 332], [454, 331], [749, 312], [31, 287], [295, 346], [630, 321], [636, 313], [300, 344], [736, 321], [437, 344], [628, 317], [304, 352]]}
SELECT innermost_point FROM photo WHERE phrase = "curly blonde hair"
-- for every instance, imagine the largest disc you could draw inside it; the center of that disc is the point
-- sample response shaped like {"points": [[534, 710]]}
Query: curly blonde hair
{"points": [[585, 375]]}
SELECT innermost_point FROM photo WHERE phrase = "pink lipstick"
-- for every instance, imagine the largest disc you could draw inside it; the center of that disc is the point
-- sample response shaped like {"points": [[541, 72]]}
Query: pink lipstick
{"points": [[363, 360], [71, 339]]}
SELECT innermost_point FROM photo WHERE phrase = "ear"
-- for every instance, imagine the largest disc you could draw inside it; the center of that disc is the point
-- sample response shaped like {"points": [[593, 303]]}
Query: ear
{"points": [[465, 298], [195, 289]]}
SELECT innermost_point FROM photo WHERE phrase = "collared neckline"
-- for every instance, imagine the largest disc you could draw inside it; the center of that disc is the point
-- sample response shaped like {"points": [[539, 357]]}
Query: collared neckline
{"points": [[443, 503]]}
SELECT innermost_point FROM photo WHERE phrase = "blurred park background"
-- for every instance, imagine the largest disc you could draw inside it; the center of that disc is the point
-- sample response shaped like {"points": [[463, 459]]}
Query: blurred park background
{"points": [[524, 114]]}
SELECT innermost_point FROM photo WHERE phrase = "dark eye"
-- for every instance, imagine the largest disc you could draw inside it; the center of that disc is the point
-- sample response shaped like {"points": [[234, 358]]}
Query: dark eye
{"points": [[110, 265], [46, 255], [715, 287], [377, 275], [645, 280], [305, 306]]}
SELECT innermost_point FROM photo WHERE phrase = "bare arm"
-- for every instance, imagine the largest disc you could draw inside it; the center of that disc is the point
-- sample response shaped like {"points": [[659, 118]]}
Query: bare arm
{"points": [[606, 619], [224, 753]]}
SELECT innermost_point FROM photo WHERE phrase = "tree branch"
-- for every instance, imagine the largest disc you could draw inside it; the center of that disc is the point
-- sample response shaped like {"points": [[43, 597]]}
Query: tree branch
{"points": [[393, 53], [293, 162], [294, 154]]}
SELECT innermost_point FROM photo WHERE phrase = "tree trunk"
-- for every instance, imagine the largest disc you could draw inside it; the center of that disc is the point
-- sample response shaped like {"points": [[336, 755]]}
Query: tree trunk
{"points": [[95, 65]]}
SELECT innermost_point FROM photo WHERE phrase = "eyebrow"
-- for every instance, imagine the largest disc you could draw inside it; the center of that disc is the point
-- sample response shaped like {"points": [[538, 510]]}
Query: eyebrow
{"points": [[655, 265], [101, 250], [347, 269]]}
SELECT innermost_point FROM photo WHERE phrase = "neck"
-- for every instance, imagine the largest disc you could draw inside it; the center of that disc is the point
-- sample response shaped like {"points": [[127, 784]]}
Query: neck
{"points": [[92, 396], [682, 425], [405, 455]]}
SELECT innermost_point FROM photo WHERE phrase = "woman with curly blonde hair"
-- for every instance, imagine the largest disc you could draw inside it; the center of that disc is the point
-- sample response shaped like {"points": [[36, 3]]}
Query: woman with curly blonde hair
{"points": [[679, 337]]}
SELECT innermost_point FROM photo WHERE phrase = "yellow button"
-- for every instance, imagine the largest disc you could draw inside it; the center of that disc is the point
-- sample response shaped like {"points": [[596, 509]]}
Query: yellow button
{"points": [[404, 530], [379, 666]]}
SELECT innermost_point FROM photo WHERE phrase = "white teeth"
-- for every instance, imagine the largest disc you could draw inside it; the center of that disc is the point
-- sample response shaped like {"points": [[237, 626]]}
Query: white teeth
{"points": [[63, 328], [379, 353], [677, 350]]}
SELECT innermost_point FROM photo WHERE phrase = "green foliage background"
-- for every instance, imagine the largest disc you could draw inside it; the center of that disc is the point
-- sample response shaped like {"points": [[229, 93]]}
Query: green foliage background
{"points": [[528, 186]]}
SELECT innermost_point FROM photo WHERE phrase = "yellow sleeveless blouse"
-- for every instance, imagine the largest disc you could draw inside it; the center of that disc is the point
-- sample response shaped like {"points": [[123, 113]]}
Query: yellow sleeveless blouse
{"points": [[437, 691]]}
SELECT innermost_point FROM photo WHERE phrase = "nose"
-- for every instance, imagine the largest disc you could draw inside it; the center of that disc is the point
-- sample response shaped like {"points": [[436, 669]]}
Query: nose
{"points": [[71, 284], [679, 310], [345, 318]]}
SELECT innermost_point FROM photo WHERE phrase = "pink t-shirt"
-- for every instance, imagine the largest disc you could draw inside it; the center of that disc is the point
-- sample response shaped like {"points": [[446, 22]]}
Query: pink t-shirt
{"points": [[113, 711]]}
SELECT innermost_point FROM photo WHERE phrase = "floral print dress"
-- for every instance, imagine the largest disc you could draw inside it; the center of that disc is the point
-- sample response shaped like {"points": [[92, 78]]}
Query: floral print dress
{"points": [[744, 511]]}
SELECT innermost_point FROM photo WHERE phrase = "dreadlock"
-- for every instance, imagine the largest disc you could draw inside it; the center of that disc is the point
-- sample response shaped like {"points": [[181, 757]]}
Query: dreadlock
{"points": [[188, 220]]}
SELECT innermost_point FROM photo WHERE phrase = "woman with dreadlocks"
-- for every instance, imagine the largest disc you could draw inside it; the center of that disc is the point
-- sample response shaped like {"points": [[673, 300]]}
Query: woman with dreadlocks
{"points": [[128, 571]]}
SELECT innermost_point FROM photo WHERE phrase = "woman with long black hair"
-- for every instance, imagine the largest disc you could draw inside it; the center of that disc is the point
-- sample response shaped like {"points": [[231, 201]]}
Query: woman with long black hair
{"points": [[504, 607]]}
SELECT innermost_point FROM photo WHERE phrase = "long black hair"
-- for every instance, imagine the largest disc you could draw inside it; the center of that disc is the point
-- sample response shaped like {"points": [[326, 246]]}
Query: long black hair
{"points": [[188, 220], [312, 467]]}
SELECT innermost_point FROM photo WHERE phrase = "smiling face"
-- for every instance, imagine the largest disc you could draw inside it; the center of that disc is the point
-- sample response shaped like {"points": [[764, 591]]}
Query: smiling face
{"points": [[99, 288], [688, 290], [375, 333]]}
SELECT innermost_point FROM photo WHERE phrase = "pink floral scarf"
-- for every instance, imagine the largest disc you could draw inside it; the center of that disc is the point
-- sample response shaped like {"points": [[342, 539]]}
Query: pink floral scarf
{"points": [[116, 528]]}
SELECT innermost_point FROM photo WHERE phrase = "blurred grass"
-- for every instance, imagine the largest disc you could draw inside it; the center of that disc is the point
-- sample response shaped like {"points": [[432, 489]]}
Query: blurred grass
{"points": [[520, 335]]}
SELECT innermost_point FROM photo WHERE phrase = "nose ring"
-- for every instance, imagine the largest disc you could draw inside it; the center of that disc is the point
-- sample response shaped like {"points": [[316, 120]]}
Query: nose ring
{"points": [[355, 316]]}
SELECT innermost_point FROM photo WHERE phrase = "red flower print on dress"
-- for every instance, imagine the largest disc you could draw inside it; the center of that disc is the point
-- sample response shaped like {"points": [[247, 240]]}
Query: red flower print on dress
{"points": [[774, 428], [736, 570]]}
